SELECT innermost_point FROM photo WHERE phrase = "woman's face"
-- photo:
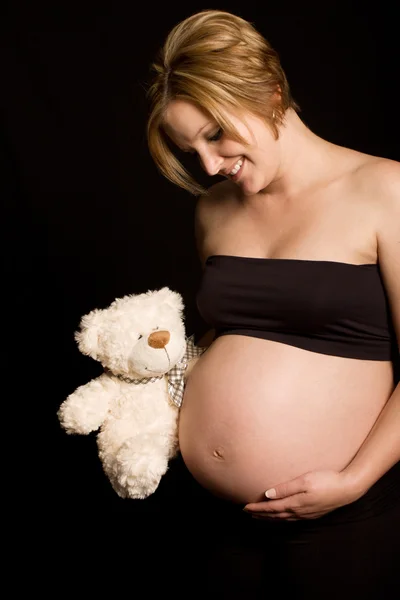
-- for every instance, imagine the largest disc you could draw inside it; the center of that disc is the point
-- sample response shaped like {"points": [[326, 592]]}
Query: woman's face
{"points": [[252, 167]]}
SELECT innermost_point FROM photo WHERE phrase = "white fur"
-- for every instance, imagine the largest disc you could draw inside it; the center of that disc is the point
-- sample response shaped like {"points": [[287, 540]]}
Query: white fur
{"points": [[138, 424]]}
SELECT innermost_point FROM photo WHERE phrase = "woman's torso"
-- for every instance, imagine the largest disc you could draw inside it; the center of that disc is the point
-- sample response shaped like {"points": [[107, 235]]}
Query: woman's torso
{"points": [[257, 412]]}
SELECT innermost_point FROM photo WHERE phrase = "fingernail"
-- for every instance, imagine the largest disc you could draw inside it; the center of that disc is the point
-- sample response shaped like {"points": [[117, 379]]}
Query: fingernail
{"points": [[271, 493]]}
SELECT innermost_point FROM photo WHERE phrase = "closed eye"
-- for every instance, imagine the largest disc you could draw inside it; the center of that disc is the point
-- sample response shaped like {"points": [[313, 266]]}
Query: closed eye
{"points": [[213, 138], [217, 135]]}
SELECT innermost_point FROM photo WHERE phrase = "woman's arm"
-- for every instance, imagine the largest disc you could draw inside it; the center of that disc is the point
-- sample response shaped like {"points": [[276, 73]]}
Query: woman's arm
{"points": [[313, 494], [381, 449]]}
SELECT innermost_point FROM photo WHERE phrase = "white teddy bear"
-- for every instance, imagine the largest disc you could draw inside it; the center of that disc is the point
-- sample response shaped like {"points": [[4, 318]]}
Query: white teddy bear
{"points": [[140, 341]]}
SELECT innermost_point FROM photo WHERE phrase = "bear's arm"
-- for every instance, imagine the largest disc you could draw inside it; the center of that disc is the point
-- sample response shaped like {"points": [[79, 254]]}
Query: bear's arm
{"points": [[85, 409]]}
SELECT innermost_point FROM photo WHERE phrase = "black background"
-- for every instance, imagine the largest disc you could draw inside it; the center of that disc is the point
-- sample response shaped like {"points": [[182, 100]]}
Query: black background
{"points": [[87, 218]]}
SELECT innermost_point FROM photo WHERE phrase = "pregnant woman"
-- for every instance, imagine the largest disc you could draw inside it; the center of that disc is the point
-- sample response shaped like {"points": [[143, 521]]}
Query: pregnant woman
{"points": [[293, 411]]}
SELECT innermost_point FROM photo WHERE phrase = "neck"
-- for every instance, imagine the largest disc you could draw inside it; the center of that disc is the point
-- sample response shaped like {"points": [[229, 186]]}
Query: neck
{"points": [[304, 158]]}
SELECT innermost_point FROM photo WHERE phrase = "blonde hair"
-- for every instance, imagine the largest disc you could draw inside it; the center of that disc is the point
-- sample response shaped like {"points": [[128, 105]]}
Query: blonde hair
{"points": [[217, 61]]}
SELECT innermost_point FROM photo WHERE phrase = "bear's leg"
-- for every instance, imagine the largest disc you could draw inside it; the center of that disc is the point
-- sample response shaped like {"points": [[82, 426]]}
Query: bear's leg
{"points": [[139, 466]]}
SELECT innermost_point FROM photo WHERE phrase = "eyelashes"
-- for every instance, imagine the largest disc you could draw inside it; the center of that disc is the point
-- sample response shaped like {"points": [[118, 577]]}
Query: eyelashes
{"points": [[213, 138], [216, 136]]}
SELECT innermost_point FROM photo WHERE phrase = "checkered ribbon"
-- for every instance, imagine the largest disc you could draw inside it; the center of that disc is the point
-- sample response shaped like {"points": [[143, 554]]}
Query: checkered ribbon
{"points": [[132, 380], [176, 381]]}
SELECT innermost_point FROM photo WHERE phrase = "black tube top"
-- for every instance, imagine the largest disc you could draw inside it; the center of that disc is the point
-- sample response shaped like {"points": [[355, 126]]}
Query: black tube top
{"points": [[327, 307]]}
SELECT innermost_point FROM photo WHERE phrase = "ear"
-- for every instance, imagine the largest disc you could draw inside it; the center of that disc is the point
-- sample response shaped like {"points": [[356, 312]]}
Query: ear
{"points": [[174, 299], [87, 337]]}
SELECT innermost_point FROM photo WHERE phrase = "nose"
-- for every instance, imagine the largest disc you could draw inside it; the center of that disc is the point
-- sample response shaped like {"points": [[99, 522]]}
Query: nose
{"points": [[159, 339], [211, 163]]}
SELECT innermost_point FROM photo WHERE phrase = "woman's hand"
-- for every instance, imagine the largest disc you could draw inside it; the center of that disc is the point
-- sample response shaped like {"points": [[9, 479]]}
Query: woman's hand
{"points": [[309, 496]]}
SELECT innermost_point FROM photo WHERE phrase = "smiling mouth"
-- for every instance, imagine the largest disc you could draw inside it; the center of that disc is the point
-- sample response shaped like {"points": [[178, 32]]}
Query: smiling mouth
{"points": [[235, 173]]}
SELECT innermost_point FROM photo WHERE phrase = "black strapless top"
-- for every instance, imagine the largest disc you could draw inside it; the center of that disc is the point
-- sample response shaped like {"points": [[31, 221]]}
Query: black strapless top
{"points": [[327, 307]]}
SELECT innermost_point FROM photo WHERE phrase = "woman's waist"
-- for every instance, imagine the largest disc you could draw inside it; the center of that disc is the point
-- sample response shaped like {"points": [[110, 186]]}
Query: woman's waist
{"points": [[251, 343], [296, 431], [281, 400], [235, 366]]}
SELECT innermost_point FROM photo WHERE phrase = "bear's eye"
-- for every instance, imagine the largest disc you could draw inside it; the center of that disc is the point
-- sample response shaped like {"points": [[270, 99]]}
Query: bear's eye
{"points": [[140, 336]]}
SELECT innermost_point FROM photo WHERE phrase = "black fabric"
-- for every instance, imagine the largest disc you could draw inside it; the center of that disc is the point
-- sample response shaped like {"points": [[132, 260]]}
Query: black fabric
{"points": [[352, 553], [327, 307]]}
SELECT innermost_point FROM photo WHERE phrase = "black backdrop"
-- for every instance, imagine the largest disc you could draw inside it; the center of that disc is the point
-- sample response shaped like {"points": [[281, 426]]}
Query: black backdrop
{"points": [[87, 218]]}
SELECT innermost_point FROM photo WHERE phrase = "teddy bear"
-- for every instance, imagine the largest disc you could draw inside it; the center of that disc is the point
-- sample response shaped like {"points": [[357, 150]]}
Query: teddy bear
{"points": [[141, 343]]}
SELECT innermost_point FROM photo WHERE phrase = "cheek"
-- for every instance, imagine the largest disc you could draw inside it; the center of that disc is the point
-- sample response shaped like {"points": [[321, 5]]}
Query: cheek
{"points": [[232, 148]]}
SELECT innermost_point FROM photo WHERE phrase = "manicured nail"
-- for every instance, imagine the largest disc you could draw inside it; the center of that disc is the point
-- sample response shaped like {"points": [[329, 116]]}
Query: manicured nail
{"points": [[271, 493]]}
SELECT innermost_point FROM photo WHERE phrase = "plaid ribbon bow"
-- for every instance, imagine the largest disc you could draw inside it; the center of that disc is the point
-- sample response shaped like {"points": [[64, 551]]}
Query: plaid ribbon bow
{"points": [[176, 381]]}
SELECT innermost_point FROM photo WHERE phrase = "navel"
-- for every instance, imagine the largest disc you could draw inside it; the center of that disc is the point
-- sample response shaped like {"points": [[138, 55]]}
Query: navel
{"points": [[219, 453]]}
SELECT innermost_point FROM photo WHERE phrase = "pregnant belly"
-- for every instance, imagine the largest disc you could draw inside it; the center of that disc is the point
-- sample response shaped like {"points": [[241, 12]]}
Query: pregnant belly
{"points": [[257, 413]]}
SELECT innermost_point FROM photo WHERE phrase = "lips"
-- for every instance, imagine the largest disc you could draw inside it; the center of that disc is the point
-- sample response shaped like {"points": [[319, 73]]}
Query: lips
{"points": [[237, 175], [228, 172]]}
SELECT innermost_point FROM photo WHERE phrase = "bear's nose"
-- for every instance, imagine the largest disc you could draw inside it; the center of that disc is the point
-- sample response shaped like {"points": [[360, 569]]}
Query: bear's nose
{"points": [[159, 339]]}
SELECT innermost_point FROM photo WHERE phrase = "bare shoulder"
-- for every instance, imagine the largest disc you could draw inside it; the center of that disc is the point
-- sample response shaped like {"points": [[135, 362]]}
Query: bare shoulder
{"points": [[379, 179], [384, 180], [211, 210]]}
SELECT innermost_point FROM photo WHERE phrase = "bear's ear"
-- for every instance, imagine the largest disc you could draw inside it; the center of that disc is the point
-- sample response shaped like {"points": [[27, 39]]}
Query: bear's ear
{"points": [[174, 299], [87, 337]]}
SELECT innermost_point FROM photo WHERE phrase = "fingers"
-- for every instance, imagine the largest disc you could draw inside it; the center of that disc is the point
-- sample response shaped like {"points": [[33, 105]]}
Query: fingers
{"points": [[290, 488], [273, 507], [287, 516], [275, 516]]}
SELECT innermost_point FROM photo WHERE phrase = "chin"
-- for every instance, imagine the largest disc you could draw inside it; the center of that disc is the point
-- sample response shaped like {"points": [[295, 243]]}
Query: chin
{"points": [[250, 186], [250, 190]]}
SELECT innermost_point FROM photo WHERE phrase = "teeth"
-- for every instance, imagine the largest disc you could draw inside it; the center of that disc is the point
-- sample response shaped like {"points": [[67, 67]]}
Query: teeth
{"points": [[236, 167]]}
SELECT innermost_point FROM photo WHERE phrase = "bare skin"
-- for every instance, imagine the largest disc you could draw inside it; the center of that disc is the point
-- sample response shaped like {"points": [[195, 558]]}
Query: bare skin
{"points": [[256, 412]]}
